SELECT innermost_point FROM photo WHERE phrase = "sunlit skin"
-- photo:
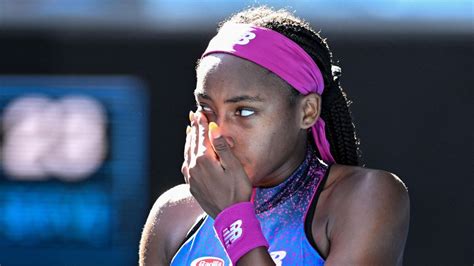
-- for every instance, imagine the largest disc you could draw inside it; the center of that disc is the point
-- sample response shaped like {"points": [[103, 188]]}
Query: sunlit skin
{"points": [[259, 139]]}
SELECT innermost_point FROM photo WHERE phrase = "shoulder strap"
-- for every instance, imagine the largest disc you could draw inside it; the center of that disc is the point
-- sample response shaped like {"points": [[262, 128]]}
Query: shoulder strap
{"points": [[312, 208], [194, 228]]}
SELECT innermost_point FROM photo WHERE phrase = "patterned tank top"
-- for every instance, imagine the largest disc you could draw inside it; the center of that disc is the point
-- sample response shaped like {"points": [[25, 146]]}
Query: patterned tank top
{"points": [[282, 212]]}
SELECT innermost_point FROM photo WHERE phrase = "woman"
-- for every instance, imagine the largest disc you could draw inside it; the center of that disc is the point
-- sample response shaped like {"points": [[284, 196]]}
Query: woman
{"points": [[271, 161]]}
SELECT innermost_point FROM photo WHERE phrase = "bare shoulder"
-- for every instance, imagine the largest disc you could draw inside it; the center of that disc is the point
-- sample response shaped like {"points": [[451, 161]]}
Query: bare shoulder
{"points": [[169, 220], [370, 191], [352, 183], [369, 216]]}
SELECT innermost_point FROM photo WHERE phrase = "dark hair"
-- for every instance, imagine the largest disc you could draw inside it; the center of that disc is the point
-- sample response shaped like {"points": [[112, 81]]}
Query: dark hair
{"points": [[340, 129]]}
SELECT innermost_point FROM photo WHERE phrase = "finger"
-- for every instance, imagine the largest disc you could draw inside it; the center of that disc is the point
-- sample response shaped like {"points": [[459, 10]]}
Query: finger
{"points": [[193, 144], [221, 147], [204, 143], [187, 143], [187, 146], [198, 134]]}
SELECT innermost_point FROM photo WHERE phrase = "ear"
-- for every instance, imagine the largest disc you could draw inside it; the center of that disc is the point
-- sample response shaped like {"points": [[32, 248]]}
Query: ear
{"points": [[310, 106]]}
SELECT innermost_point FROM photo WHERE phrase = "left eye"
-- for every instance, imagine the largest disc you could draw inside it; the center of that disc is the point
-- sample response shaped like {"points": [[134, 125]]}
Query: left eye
{"points": [[244, 112]]}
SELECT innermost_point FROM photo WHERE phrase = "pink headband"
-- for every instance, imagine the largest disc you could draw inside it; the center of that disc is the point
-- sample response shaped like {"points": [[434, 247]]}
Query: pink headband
{"points": [[281, 56]]}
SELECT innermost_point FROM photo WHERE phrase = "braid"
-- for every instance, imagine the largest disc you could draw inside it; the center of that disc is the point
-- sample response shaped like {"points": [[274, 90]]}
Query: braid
{"points": [[340, 130]]}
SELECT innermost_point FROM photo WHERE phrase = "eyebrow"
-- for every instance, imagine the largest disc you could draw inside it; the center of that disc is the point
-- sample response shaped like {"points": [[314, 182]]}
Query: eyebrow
{"points": [[236, 99]]}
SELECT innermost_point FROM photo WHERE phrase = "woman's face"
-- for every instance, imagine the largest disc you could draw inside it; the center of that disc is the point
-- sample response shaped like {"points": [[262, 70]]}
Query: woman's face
{"points": [[251, 107]]}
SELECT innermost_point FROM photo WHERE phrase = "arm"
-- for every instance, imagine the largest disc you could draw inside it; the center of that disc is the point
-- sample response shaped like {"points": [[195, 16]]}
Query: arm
{"points": [[172, 215], [216, 178], [369, 224]]}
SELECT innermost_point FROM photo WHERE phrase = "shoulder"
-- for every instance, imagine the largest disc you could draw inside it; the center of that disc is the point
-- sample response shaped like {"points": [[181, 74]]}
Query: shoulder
{"points": [[168, 222], [356, 185], [368, 215]]}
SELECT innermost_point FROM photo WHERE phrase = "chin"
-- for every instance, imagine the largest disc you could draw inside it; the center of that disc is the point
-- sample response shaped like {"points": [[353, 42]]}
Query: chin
{"points": [[256, 182], [250, 173], [253, 176]]}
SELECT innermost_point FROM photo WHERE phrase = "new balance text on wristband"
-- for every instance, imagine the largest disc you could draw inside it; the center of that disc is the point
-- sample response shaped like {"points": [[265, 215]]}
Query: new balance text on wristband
{"points": [[238, 230]]}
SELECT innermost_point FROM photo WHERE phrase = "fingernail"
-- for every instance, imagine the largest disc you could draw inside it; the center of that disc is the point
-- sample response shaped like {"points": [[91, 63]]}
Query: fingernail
{"points": [[188, 129], [214, 130], [191, 116]]}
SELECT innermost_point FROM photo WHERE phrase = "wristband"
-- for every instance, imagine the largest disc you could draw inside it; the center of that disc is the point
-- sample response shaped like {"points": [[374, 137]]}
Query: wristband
{"points": [[239, 230]]}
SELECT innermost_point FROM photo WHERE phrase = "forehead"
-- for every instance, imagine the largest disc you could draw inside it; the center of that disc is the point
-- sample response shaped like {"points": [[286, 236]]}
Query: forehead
{"points": [[231, 75]]}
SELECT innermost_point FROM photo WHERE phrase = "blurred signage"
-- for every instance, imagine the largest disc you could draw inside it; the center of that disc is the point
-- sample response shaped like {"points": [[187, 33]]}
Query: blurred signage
{"points": [[73, 169], [44, 137]]}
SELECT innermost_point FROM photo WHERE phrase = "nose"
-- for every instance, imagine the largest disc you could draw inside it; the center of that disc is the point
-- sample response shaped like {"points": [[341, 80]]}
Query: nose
{"points": [[226, 129]]}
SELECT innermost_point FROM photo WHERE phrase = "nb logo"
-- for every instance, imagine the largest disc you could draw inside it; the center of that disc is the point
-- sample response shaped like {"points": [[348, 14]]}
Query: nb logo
{"points": [[246, 37], [232, 233], [278, 257]]}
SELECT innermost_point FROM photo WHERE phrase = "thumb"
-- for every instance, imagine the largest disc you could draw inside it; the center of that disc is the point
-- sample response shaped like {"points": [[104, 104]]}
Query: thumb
{"points": [[221, 147]]}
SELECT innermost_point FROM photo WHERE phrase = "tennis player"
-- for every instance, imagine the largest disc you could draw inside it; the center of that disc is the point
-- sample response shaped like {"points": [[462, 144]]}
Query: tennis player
{"points": [[271, 161]]}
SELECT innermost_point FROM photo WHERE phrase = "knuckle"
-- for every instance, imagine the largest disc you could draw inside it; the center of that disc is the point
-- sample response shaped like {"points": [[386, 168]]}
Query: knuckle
{"points": [[192, 171], [200, 160], [191, 182], [220, 146], [184, 168]]}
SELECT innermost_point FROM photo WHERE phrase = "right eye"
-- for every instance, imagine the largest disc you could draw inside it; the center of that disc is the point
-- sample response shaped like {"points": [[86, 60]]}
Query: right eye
{"points": [[204, 108]]}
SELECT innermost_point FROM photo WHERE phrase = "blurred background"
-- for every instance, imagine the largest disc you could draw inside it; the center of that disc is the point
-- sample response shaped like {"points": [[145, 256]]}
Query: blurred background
{"points": [[94, 97]]}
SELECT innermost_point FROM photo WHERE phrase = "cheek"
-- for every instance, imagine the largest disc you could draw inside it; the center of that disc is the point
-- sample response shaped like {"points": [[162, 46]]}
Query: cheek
{"points": [[259, 151], [250, 146], [260, 147]]}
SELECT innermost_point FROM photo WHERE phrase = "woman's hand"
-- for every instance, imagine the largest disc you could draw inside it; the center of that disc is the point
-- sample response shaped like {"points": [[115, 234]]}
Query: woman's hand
{"points": [[215, 176]]}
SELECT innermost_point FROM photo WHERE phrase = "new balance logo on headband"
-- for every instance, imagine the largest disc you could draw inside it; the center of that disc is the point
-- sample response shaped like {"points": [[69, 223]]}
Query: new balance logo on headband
{"points": [[246, 37], [232, 233]]}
